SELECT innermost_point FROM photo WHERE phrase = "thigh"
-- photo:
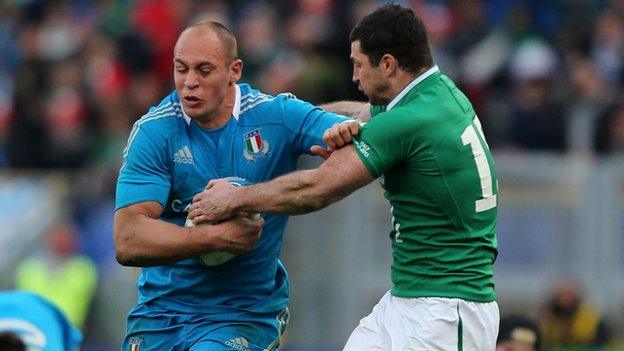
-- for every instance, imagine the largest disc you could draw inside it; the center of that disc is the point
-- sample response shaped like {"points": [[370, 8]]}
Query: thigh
{"points": [[425, 324], [408, 324], [246, 334], [370, 334], [442, 324], [479, 325], [147, 334], [402, 324]]}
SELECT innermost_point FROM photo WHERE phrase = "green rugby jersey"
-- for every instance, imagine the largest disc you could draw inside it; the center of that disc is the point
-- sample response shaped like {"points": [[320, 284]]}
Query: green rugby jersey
{"points": [[439, 177]]}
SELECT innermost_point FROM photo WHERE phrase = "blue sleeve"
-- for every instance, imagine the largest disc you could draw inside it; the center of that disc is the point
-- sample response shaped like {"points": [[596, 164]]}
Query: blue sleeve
{"points": [[306, 123], [145, 174]]}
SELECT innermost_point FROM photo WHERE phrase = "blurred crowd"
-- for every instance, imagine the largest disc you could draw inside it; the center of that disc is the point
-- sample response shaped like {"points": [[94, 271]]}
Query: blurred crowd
{"points": [[74, 75], [544, 76]]}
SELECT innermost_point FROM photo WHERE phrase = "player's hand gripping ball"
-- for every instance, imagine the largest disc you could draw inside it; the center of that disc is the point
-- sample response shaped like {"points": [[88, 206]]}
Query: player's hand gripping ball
{"points": [[216, 258]]}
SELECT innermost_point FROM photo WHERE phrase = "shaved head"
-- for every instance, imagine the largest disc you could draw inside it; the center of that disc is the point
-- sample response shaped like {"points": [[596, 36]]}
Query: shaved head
{"points": [[228, 41], [206, 69]]}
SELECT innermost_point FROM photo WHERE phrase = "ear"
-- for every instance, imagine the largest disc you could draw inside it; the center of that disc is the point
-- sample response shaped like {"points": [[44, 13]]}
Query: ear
{"points": [[388, 65], [236, 70]]}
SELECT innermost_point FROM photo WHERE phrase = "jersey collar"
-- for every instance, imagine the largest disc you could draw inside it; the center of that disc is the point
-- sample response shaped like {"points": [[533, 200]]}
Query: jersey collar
{"points": [[411, 85], [235, 110], [237, 103]]}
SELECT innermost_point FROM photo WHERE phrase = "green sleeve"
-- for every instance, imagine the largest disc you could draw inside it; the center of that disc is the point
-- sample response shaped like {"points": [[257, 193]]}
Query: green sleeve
{"points": [[383, 142]]}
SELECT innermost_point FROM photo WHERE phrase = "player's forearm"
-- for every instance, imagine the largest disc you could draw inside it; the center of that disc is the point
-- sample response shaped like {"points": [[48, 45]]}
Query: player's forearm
{"points": [[354, 109], [295, 193], [141, 241]]}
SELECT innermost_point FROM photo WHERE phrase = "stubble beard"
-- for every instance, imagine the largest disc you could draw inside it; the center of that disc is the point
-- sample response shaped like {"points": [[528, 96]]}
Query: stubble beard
{"points": [[378, 95]]}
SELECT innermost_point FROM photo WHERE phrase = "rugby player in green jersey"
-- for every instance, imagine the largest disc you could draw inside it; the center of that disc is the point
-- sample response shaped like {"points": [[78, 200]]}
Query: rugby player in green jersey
{"points": [[425, 143]]}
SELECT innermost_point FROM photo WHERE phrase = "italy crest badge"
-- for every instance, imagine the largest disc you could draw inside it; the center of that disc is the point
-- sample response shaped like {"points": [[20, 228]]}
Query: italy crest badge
{"points": [[255, 146]]}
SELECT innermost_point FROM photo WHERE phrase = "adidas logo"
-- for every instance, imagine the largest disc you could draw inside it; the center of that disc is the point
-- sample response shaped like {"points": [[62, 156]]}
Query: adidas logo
{"points": [[240, 344], [183, 156]]}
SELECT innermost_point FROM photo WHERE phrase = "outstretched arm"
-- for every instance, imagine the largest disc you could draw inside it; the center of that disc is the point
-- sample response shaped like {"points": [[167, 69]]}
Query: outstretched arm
{"points": [[295, 193], [355, 109]]}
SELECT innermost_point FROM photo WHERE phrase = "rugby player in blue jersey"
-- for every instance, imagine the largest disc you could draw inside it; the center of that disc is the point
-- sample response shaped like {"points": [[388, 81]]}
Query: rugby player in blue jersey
{"points": [[209, 127], [36, 324]]}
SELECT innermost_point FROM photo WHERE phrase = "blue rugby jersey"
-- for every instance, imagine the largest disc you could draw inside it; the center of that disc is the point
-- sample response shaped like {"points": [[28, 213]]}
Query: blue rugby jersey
{"points": [[39, 324], [169, 159]]}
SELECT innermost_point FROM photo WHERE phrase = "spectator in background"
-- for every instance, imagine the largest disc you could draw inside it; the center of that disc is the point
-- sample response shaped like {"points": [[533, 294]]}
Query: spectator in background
{"points": [[607, 48], [518, 333], [569, 321], [588, 98], [28, 320], [60, 274], [27, 138], [609, 136], [304, 65], [65, 117], [259, 39], [537, 119]]}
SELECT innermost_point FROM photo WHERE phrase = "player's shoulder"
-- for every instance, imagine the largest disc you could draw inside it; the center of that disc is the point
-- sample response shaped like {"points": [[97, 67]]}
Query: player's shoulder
{"points": [[259, 107], [437, 104], [409, 120], [252, 98], [165, 118], [23, 297]]}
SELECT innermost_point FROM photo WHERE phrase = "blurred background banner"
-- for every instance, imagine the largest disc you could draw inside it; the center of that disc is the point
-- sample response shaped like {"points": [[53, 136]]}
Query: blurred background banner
{"points": [[545, 78]]}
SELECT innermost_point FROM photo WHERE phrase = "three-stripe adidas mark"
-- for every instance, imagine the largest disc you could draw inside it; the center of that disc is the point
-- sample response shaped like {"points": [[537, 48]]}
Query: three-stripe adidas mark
{"points": [[183, 156], [238, 344]]}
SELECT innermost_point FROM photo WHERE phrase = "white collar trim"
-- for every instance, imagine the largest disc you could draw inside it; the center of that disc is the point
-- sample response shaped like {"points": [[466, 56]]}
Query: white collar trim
{"points": [[235, 111], [187, 119], [411, 85], [237, 103]]}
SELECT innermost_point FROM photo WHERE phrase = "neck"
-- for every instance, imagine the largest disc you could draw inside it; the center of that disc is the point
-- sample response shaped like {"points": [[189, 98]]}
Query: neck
{"points": [[403, 79], [222, 115]]}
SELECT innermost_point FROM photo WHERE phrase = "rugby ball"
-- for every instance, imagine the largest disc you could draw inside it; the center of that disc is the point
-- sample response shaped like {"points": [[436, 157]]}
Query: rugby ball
{"points": [[216, 258]]}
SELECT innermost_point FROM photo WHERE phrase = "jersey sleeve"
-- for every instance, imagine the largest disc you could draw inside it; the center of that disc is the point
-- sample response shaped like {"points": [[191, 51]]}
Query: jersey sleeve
{"points": [[145, 174], [306, 123], [383, 142]]}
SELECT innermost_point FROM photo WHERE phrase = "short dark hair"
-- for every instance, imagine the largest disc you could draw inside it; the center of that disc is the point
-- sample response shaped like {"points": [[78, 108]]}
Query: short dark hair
{"points": [[227, 38], [11, 342], [394, 30]]}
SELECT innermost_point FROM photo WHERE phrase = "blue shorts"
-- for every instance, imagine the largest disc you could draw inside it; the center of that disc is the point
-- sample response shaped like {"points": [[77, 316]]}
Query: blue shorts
{"points": [[182, 332]]}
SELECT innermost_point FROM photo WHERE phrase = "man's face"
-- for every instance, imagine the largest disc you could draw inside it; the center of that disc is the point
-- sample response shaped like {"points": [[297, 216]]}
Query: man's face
{"points": [[369, 78], [202, 73]]}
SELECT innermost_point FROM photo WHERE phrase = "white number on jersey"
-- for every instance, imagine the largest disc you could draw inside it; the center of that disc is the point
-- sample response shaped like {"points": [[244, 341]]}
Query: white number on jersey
{"points": [[478, 146]]}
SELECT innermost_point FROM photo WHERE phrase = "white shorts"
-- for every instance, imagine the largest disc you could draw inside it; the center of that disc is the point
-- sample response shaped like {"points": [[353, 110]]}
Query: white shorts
{"points": [[427, 324]]}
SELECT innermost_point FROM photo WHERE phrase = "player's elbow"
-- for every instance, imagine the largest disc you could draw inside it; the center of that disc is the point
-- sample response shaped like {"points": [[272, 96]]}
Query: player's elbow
{"points": [[123, 259], [122, 255], [122, 251], [121, 239]]}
